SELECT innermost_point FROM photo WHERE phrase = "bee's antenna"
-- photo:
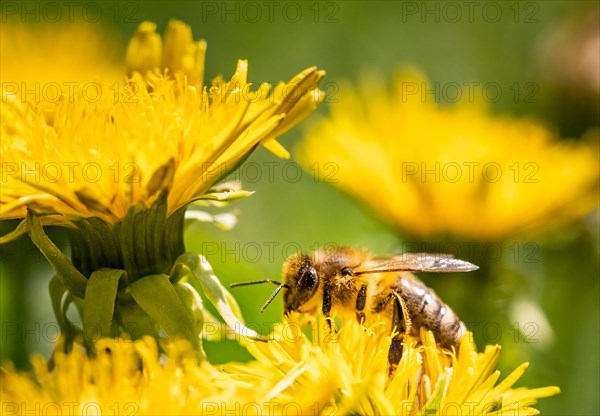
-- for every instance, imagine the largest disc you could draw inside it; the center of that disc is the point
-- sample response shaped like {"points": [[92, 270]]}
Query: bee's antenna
{"points": [[257, 282], [268, 302]]}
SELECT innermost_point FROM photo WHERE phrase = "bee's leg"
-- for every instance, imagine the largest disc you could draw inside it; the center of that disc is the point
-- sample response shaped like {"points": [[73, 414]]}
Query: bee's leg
{"points": [[361, 301], [400, 324], [326, 309]]}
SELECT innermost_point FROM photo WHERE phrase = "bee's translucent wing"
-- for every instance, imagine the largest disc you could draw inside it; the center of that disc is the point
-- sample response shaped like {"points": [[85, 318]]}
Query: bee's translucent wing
{"points": [[416, 262]]}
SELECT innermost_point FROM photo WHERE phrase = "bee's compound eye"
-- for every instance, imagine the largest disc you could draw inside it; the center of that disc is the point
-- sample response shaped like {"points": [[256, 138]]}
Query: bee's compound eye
{"points": [[309, 278]]}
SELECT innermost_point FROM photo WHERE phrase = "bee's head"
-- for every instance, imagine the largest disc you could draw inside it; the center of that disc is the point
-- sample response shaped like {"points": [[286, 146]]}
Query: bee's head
{"points": [[302, 282]]}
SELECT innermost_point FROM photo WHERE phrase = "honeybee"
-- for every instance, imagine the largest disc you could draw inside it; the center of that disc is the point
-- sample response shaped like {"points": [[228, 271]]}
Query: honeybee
{"points": [[342, 281]]}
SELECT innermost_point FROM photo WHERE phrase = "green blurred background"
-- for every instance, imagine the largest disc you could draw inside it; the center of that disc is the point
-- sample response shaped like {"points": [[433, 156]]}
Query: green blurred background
{"points": [[508, 43]]}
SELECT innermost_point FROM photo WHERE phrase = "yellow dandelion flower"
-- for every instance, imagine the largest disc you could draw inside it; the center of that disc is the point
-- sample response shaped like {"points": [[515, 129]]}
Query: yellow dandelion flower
{"points": [[133, 377], [428, 379], [118, 165], [435, 170], [100, 159], [330, 374], [99, 156]]}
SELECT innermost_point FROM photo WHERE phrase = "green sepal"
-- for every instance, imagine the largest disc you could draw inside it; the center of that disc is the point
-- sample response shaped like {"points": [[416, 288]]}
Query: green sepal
{"points": [[69, 276], [173, 238], [99, 304], [144, 242], [102, 247], [434, 403], [193, 304], [192, 264], [156, 221], [213, 329], [157, 297], [57, 292], [93, 243], [139, 241], [14, 234], [71, 331], [109, 244], [125, 233], [221, 198], [134, 322], [57, 295]]}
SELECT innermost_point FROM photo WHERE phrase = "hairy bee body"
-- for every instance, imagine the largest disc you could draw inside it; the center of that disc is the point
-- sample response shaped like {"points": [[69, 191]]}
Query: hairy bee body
{"points": [[345, 281], [424, 307]]}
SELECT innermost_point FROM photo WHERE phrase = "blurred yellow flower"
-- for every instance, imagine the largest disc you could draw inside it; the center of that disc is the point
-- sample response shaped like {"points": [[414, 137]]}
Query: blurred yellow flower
{"points": [[39, 61], [180, 53], [341, 374], [436, 170]]}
